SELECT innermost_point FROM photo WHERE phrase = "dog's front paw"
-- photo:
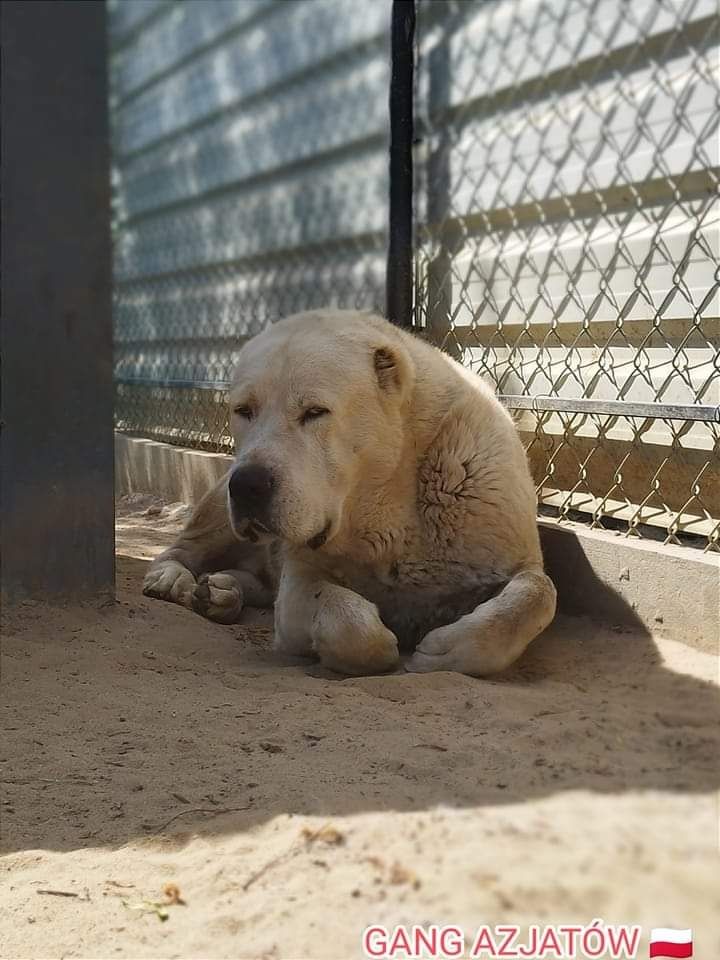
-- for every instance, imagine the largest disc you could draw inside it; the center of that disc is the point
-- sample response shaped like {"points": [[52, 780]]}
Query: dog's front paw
{"points": [[219, 597], [169, 580], [349, 637], [457, 648]]}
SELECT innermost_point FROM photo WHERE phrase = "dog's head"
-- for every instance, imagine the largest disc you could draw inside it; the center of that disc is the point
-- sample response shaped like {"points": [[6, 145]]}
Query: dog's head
{"points": [[316, 408]]}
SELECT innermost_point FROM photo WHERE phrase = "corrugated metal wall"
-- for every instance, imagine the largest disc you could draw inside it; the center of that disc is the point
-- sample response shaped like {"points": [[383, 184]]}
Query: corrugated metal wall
{"points": [[250, 181]]}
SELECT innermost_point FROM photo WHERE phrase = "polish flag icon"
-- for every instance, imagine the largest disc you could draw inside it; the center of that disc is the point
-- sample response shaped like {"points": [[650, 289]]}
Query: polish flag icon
{"points": [[665, 942]]}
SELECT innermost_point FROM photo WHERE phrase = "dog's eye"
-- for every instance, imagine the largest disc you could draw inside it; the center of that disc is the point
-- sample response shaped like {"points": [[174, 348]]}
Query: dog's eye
{"points": [[313, 413], [245, 411]]}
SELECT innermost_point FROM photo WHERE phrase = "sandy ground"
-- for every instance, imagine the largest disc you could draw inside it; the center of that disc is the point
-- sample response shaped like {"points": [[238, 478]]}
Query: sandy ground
{"points": [[145, 747]]}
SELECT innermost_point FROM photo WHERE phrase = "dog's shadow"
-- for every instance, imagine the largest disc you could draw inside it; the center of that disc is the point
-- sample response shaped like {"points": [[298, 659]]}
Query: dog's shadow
{"points": [[213, 716]]}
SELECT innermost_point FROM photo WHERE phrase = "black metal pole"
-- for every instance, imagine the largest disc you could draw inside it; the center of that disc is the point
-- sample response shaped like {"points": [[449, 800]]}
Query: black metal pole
{"points": [[399, 279], [56, 390]]}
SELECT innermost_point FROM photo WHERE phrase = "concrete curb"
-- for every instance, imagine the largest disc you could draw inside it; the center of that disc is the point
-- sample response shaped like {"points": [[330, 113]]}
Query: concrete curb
{"points": [[669, 591], [173, 473], [672, 592]]}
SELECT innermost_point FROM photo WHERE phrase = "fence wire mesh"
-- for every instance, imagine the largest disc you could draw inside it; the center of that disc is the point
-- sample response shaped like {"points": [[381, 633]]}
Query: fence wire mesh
{"points": [[250, 181], [567, 217], [567, 243]]}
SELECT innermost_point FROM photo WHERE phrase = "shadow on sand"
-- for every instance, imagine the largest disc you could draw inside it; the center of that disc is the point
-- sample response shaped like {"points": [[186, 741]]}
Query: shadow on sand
{"points": [[142, 720]]}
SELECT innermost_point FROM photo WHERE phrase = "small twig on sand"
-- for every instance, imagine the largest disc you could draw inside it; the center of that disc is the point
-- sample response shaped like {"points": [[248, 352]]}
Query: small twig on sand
{"points": [[327, 834], [269, 865], [64, 893], [24, 780], [211, 811]]}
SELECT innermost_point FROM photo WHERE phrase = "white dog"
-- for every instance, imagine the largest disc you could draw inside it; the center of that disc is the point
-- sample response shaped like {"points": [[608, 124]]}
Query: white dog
{"points": [[380, 495]]}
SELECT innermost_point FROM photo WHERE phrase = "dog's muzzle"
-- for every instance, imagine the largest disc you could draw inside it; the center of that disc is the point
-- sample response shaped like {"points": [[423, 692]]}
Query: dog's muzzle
{"points": [[251, 491]]}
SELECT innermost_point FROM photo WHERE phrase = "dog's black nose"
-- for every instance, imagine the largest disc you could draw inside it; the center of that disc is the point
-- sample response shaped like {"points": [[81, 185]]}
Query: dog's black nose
{"points": [[251, 488]]}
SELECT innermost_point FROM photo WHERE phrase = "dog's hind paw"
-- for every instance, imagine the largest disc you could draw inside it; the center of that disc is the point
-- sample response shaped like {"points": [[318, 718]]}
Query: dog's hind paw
{"points": [[219, 597]]}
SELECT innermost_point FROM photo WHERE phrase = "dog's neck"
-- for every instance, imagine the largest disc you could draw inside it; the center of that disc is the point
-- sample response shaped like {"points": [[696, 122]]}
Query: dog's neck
{"points": [[379, 508]]}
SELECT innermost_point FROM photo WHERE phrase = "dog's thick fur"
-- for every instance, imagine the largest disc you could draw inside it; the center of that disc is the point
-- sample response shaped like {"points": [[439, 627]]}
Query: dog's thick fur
{"points": [[399, 509]]}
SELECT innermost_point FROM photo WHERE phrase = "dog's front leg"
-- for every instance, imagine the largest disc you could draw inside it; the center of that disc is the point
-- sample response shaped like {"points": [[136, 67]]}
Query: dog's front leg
{"points": [[205, 538], [495, 633], [168, 579], [313, 615]]}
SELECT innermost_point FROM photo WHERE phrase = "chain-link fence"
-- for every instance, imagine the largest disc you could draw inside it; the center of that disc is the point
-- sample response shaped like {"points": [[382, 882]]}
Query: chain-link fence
{"points": [[250, 181], [566, 170], [568, 242]]}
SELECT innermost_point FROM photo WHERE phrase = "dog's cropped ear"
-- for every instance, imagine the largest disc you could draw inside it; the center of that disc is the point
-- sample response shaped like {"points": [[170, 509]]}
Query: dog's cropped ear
{"points": [[392, 369]]}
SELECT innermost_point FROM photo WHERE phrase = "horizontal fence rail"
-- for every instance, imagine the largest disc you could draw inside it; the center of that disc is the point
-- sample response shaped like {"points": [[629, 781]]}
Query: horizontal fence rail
{"points": [[617, 408]]}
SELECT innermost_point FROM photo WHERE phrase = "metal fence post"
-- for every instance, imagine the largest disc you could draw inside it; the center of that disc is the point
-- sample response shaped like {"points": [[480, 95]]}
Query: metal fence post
{"points": [[56, 443], [399, 289]]}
